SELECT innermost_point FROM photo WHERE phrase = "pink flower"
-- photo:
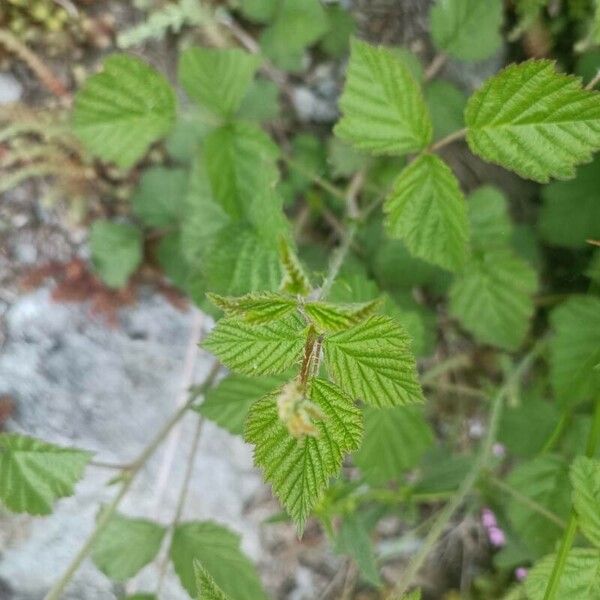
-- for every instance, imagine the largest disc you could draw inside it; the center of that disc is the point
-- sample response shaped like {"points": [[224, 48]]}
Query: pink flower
{"points": [[488, 518], [521, 573], [496, 536]]}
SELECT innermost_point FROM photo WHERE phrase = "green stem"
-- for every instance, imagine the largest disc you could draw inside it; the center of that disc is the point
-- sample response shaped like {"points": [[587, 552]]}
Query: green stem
{"points": [[469, 481], [560, 428], [569, 535], [449, 139], [129, 475]]}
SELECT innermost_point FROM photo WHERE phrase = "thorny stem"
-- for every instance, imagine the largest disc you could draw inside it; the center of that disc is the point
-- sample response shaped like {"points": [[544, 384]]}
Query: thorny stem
{"points": [[569, 536], [452, 137], [128, 478], [470, 480]]}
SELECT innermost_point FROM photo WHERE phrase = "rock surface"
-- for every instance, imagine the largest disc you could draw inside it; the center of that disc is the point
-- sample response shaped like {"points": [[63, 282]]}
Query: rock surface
{"points": [[77, 381]]}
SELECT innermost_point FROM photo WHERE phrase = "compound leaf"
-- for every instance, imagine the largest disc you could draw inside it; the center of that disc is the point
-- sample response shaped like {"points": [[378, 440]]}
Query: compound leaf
{"points": [[217, 549], [255, 308], [532, 120], [337, 317], [299, 468], [373, 362], [467, 29], [580, 578], [116, 250], [585, 479], [295, 280], [427, 210], [227, 404], [218, 79], [382, 105], [395, 439], [488, 214], [492, 298], [119, 112], [257, 349], [127, 545], [33, 474], [575, 349]]}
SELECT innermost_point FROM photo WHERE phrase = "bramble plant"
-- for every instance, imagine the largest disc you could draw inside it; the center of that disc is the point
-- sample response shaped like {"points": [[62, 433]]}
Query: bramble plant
{"points": [[323, 359]]}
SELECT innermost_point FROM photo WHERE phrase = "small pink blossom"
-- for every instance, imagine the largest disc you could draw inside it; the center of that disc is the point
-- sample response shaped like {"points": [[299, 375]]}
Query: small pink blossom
{"points": [[521, 573], [488, 518], [499, 450], [496, 536]]}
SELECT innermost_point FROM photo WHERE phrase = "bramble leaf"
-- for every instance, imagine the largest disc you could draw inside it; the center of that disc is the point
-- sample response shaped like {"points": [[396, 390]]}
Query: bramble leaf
{"points": [[382, 105], [492, 298], [395, 440], [580, 578], [207, 587], [33, 474], [544, 480], [217, 549], [337, 317], [571, 211], [227, 404], [532, 120], [127, 545], [257, 349], [218, 79], [427, 210], [295, 280], [575, 349], [119, 112], [159, 197], [240, 162], [116, 251], [255, 308], [467, 29], [300, 468], [446, 105], [372, 362], [585, 479], [488, 214]]}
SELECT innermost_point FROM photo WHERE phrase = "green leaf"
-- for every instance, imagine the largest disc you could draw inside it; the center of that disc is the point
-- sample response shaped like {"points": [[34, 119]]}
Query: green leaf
{"points": [[488, 214], [353, 539], [255, 308], [261, 11], [116, 250], [34, 474], [297, 25], [427, 210], [335, 317], [127, 545], [171, 259], [238, 260], [343, 159], [261, 102], [580, 578], [217, 79], [532, 120], [571, 211], [382, 105], [545, 481], [227, 404], [300, 468], [217, 549], [467, 29], [206, 585], [119, 112], [492, 298], [585, 479], [575, 350], [295, 280], [158, 198], [372, 362], [447, 106], [395, 440], [240, 161], [259, 349], [341, 26]]}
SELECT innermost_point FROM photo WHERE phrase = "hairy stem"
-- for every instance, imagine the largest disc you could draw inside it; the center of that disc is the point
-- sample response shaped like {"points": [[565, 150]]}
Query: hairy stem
{"points": [[470, 480], [569, 535], [129, 476]]}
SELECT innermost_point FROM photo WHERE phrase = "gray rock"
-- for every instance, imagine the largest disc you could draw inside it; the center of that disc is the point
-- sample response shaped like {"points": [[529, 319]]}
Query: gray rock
{"points": [[10, 89], [77, 381]]}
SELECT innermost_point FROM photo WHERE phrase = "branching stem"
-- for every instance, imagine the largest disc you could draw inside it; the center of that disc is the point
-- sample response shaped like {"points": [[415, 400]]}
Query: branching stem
{"points": [[449, 139], [434, 67], [470, 480], [128, 478]]}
